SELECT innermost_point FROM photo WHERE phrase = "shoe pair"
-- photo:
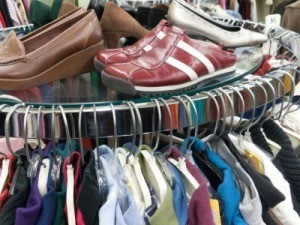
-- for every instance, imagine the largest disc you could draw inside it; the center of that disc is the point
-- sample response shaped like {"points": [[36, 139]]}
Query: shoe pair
{"points": [[64, 48], [164, 61]]}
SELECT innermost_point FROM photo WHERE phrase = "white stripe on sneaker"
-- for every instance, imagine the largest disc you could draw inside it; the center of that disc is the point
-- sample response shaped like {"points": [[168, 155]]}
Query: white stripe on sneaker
{"points": [[147, 48], [160, 35], [194, 52], [183, 67]]}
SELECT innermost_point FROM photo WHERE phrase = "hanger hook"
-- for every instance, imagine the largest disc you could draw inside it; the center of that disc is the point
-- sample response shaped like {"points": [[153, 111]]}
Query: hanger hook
{"points": [[96, 134], [164, 102], [25, 132], [140, 127], [7, 130], [133, 127], [253, 106], [223, 112], [242, 111], [279, 81], [80, 133], [209, 95], [274, 95], [196, 118], [231, 109], [159, 125], [252, 123], [61, 109], [184, 147], [38, 134], [115, 125]]}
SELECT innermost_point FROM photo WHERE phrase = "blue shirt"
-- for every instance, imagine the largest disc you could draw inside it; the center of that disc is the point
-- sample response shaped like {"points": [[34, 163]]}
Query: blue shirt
{"points": [[179, 197], [227, 190]]}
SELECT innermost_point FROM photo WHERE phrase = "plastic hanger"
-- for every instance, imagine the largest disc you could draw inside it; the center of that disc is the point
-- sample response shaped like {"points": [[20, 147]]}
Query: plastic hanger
{"points": [[16, 156], [160, 157], [70, 202], [99, 170], [44, 165], [136, 164], [80, 133], [125, 159], [154, 175], [190, 182], [56, 168]]}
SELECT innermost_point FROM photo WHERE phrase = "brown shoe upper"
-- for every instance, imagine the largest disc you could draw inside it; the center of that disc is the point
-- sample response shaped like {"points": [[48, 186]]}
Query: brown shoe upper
{"points": [[21, 60]]}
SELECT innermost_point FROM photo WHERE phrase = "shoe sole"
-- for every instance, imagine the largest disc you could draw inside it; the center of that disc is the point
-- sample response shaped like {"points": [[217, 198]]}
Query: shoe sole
{"points": [[128, 88], [99, 66], [64, 69]]}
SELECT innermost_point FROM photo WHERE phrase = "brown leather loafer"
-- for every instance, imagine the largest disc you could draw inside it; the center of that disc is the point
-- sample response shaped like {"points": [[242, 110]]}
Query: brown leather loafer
{"points": [[66, 49]]}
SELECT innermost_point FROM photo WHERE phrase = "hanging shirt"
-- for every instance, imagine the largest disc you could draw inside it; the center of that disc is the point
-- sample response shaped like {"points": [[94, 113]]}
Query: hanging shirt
{"points": [[89, 192], [48, 209], [199, 210], [149, 212], [283, 211], [227, 190], [75, 160], [250, 204], [179, 197], [19, 199], [29, 214], [119, 207]]}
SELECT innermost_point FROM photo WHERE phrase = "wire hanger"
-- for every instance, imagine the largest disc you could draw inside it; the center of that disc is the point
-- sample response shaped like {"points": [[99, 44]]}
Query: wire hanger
{"points": [[80, 133], [38, 135], [158, 126], [16, 156], [196, 119], [209, 95], [96, 136], [242, 110], [166, 106], [183, 147], [114, 125], [25, 133], [133, 123]]}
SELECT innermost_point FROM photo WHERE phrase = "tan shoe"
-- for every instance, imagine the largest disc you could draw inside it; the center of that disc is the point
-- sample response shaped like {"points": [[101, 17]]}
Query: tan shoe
{"points": [[66, 12], [117, 23], [66, 49]]}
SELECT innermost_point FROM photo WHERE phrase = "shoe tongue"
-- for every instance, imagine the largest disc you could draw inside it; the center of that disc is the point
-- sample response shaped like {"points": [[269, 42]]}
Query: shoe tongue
{"points": [[11, 49]]}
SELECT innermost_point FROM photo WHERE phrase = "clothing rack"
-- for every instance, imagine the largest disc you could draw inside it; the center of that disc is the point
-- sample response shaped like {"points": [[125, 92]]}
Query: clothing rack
{"points": [[115, 118]]}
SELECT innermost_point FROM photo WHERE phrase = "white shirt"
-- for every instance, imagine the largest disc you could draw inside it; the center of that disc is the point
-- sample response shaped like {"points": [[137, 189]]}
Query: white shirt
{"points": [[284, 211]]}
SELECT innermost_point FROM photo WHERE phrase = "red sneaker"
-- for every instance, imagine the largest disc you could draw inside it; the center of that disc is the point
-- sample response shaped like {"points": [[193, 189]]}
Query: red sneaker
{"points": [[122, 55], [175, 64]]}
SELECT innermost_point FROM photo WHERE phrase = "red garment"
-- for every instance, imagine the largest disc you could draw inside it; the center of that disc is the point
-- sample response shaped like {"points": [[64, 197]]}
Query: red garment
{"points": [[2, 21], [75, 160], [5, 191], [199, 210], [264, 66]]}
